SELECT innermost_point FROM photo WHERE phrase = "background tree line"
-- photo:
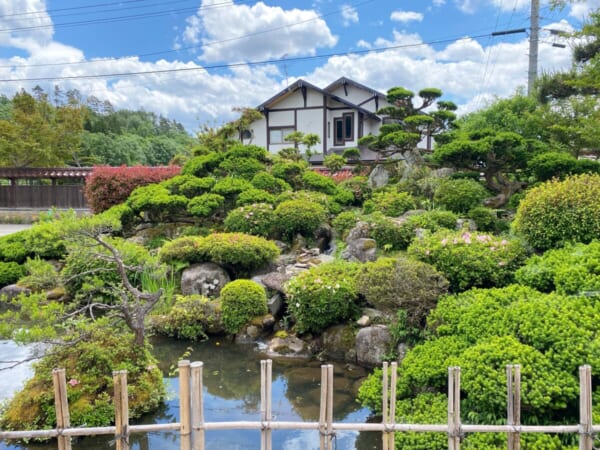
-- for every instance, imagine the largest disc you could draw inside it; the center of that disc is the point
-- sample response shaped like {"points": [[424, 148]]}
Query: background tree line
{"points": [[40, 129]]}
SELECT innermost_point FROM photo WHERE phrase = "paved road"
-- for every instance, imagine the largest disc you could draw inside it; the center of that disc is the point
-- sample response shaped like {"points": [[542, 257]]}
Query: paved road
{"points": [[9, 229]]}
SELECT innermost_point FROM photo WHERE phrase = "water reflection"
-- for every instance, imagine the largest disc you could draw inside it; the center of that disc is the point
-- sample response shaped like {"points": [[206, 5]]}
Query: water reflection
{"points": [[232, 393]]}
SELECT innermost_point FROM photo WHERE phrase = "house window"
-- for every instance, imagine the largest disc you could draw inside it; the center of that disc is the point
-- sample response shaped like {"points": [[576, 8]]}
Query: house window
{"points": [[277, 135], [247, 134], [343, 128]]}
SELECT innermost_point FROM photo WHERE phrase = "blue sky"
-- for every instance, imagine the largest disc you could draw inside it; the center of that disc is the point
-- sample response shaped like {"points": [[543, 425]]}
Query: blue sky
{"points": [[203, 48]]}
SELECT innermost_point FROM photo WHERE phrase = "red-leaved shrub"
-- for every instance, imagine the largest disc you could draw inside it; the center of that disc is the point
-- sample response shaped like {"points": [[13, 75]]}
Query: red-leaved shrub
{"points": [[109, 186]]}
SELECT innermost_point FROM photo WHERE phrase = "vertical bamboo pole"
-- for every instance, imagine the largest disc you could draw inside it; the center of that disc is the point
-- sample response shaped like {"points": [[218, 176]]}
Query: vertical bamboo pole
{"points": [[323, 408], [392, 416], [385, 416], [121, 410], [269, 409], [61, 404], [330, 406], [586, 440], [263, 404], [197, 407], [513, 404], [454, 408], [185, 427]]}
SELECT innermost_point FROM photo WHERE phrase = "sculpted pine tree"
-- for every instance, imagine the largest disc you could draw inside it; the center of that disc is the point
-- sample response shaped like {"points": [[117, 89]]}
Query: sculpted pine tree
{"points": [[407, 124]]}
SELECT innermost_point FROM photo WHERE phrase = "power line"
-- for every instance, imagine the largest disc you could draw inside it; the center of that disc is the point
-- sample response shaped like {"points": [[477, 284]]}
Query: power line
{"points": [[161, 52], [46, 11], [238, 64]]}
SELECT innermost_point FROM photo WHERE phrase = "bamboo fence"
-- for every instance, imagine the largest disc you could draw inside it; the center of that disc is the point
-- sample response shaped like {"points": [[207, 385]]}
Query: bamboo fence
{"points": [[192, 425]]}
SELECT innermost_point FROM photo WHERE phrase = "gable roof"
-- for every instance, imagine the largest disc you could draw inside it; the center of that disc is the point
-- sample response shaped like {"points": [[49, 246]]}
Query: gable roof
{"points": [[343, 80], [300, 83]]}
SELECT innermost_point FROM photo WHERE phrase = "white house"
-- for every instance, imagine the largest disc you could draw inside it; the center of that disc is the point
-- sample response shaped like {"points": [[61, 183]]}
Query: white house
{"points": [[339, 114]]}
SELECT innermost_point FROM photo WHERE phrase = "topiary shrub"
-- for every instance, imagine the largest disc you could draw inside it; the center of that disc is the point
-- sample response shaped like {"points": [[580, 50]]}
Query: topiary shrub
{"points": [[390, 284], [156, 202], [231, 187], [391, 204], [10, 272], [548, 165], [344, 196], [314, 181], [470, 259], [269, 183], [254, 196], [206, 205], [558, 212], [203, 165], [238, 151], [298, 216], [388, 233], [572, 270], [289, 171], [181, 250], [189, 185], [241, 167], [13, 247], [46, 239], [433, 220], [323, 295], [344, 222], [257, 219], [191, 317], [239, 253], [241, 300], [459, 195]]}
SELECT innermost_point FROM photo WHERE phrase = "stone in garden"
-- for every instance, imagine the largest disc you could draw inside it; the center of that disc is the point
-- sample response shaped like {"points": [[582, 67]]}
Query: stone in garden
{"points": [[12, 290], [276, 305], [289, 346], [363, 250], [339, 343], [364, 321], [206, 279], [466, 223], [379, 177], [372, 344]]}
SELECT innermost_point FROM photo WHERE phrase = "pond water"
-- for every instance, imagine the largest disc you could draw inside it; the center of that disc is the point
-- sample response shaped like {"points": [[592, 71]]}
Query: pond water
{"points": [[232, 393]]}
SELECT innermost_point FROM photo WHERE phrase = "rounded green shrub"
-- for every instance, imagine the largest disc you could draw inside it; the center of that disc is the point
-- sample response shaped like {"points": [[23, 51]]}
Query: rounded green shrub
{"points": [[558, 212], [323, 295], [485, 218], [244, 168], [269, 183], [10, 272], [203, 165], [189, 185], [41, 275], [238, 252], [314, 181], [289, 171], [344, 222], [389, 203], [571, 270], [388, 233], [241, 300], [13, 247], [390, 284], [231, 187], [156, 201], [255, 196], [298, 216], [433, 220], [343, 196], [548, 165], [238, 151], [459, 195], [206, 205], [181, 250], [191, 317], [470, 259], [257, 219]]}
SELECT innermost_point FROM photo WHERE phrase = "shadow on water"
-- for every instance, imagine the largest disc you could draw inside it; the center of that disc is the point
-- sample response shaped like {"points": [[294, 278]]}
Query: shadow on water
{"points": [[232, 393]]}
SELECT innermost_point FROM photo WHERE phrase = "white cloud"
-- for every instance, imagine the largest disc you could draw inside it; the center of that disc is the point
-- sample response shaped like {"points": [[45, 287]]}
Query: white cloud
{"points": [[406, 16], [349, 15], [231, 32], [31, 24], [581, 10]]}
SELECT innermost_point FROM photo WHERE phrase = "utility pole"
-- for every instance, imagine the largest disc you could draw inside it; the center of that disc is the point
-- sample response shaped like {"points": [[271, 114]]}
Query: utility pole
{"points": [[533, 45]]}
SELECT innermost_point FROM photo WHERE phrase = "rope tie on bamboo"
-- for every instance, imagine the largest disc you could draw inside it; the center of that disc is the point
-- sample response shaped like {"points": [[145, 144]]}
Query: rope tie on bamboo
{"points": [[459, 434]]}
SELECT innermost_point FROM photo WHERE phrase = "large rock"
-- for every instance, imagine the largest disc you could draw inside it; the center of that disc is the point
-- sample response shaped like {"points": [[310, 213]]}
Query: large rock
{"points": [[12, 290], [363, 250], [206, 279], [379, 177], [339, 343], [372, 344], [287, 346], [276, 281]]}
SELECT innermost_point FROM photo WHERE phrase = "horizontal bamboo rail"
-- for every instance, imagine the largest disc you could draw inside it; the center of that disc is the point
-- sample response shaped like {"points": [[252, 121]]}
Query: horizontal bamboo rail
{"points": [[192, 425]]}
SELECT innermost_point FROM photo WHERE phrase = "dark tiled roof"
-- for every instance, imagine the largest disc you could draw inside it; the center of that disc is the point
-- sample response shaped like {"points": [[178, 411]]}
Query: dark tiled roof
{"points": [[45, 172]]}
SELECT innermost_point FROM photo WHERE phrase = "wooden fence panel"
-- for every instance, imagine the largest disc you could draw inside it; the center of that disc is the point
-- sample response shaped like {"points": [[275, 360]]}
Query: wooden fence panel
{"points": [[59, 196]]}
